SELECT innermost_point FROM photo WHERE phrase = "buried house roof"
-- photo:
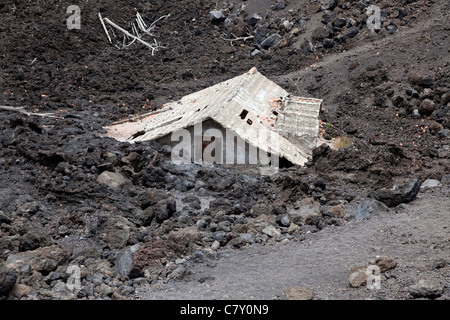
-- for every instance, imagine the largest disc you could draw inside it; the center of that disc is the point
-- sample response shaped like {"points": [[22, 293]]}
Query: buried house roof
{"points": [[250, 105]]}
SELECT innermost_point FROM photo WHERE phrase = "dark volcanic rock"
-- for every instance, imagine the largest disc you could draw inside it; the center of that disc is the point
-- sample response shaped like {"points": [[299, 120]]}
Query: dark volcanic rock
{"points": [[124, 264], [426, 289], [115, 231], [271, 41], [165, 209], [420, 79], [394, 197], [7, 280], [34, 239], [367, 206], [216, 16], [44, 259], [426, 107]]}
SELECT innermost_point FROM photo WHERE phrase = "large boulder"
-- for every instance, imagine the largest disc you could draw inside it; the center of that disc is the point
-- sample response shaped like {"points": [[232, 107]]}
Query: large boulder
{"points": [[186, 235], [44, 259], [115, 231], [366, 207], [395, 196], [426, 289], [7, 280], [306, 211]]}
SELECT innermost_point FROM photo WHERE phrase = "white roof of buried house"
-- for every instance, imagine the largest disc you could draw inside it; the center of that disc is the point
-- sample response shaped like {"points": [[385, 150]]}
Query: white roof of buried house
{"points": [[250, 105]]}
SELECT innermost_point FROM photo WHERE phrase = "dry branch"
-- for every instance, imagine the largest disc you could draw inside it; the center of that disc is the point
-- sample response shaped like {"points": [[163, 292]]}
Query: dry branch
{"points": [[21, 110], [237, 39], [104, 27], [135, 36]]}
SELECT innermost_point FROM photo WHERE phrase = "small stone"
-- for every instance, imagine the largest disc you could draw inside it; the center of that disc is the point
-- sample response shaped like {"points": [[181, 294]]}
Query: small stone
{"points": [[104, 290], [216, 16], [446, 180], [186, 235], [439, 264], [283, 220], [307, 208], [427, 93], [29, 208], [112, 179], [4, 218], [426, 289], [201, 224], [445, 98], [34, 239], [340, 22], [412, 92], [328, 5], [271, 231], [435, 128], [385, 263], [52, 276], [352, 32], [115, 231], [312, 219], [298, 293], [338, 210], [328, 43], [287, 25], [7, 280], [118, 296], [420, 79], [358, 276], [181, 272], [253, 19], [20, 290], [165, 209], [293, 228], [215, 245], [430, 184], [426, 107], [61, 291], [443, 134], [96, 278], [271, 41], [255, 52], [280, 5], [391, 29]]}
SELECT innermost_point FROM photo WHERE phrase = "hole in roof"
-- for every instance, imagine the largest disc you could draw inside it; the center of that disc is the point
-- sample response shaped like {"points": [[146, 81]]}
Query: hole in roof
{"points": [[243, 114]]}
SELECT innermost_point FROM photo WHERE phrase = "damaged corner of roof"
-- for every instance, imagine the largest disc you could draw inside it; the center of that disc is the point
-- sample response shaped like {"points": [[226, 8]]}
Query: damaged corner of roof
{"points": [[250, 106]]}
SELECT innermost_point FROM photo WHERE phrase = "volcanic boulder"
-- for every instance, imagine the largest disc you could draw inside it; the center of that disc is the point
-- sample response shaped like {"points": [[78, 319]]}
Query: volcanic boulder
{"points": [[394, 197]]}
